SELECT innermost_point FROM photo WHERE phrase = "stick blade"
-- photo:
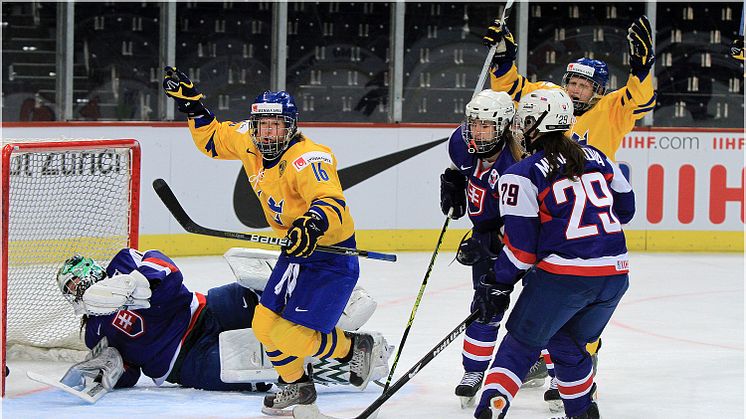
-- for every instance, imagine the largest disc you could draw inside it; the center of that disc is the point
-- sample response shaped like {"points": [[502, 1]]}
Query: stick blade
{"points": [[90, 394], [309, 411]]}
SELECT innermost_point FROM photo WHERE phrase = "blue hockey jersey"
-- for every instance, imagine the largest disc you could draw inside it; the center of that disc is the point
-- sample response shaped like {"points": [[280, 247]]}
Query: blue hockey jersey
{"points": [[148, 339], [481, 189], [564, 227]]}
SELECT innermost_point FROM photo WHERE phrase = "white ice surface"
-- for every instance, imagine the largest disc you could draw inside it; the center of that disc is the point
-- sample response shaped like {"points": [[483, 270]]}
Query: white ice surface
{"points": [[674, 348]]}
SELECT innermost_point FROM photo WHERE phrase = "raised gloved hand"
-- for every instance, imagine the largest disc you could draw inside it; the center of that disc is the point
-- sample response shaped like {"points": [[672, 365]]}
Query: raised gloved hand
{"points": [[736, 49], [491, 298], [453, 193], [500, 35], [304, 235], [640, 40], [125, 291], [177, 85]]}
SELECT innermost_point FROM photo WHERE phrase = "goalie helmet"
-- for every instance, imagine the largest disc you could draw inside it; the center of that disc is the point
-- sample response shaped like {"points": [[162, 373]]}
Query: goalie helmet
{"points": [[75, 276], [273, 122], [540, 112], [596, 72], [488, 115]]}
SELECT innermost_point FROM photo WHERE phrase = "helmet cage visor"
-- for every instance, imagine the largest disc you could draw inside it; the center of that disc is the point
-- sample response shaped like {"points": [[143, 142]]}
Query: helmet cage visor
{"points": [[271, 134], [75, 276], [598, 91], [482, 135]]}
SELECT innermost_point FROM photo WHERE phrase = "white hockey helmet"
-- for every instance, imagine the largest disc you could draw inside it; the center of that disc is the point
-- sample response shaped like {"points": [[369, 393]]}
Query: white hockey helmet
{"points": [[542, 111], [488, 115]]}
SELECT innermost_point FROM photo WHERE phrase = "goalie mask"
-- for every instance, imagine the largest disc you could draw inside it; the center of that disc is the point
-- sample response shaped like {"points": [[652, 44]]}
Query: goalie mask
{"points": [[585, 82], [273, 122], [75, 276], [488, 115], [540, 112]]}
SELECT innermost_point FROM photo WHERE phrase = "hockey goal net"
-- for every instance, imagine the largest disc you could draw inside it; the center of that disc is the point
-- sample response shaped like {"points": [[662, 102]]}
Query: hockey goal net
{"points": [[59, 197]]}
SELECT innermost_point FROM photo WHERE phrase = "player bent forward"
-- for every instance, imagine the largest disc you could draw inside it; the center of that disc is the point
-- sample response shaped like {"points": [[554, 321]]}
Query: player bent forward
{"points": [[139, 318]]}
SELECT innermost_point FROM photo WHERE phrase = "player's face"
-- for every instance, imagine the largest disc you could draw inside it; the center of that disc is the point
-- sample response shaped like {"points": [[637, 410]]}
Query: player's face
{"points": [[482, 130], [71, 287], [579, 89], [271, 128]]}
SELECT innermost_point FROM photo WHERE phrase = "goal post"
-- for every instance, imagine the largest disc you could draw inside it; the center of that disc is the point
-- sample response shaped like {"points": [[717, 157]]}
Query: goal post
{"points": [[59, 198]]}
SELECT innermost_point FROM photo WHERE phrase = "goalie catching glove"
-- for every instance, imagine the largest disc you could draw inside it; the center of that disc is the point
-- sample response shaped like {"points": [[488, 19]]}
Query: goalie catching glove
{"points": [[304, 235], [177, 86], [640, 40], [126, 291]]}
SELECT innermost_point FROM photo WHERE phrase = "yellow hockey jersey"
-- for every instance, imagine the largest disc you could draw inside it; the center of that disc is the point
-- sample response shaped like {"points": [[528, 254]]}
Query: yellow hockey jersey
{"points": [[607, 122], [305, 176]]}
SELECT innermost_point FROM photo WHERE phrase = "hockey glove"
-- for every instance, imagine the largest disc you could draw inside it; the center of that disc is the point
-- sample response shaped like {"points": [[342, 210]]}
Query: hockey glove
{"points": [[126, 291], [304, 235], [491, 298], [453, 193], [106, 367], [506, 49], [736, 49], [177, 85], [640, 40]]}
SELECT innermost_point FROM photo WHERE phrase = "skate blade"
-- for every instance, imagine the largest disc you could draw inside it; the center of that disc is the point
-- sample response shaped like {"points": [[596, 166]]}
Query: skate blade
{"points": [[277, 412], [536, 382], [468, 402]]}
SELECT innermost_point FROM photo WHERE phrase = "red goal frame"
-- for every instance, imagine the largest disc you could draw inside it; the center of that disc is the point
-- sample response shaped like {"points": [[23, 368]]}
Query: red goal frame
{"points": [[58, 145]]}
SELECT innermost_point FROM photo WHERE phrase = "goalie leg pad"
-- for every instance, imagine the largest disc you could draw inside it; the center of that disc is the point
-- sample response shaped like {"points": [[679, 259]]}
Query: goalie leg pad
{"points": [[252, 267], [359, 309], [242, 358]]}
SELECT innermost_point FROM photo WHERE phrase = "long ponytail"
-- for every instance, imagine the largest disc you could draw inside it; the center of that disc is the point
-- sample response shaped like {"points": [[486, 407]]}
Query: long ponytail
{"points": [[556, 144]]}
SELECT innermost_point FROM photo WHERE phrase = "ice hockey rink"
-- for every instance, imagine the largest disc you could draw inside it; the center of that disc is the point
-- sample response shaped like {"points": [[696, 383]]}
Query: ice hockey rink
{"points": [[674, 348]]}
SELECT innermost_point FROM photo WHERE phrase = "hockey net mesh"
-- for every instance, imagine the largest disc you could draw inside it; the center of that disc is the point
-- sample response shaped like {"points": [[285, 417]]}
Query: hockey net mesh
{"points": [[61, 202]]}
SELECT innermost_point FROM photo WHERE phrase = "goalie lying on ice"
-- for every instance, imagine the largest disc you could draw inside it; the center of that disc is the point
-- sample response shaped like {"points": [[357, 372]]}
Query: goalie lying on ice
{"points": [[168, 333]]}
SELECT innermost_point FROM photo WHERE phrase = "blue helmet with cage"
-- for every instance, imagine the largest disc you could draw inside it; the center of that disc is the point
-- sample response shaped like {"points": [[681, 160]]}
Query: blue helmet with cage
{"points": [[273, 122], [596, 72]]}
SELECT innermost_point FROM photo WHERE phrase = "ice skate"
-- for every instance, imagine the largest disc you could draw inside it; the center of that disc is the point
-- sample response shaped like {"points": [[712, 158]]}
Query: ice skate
{"points": [[536, 375], [468, 388], [591, 413], [552, 397], [367, 350], [291, 395]]}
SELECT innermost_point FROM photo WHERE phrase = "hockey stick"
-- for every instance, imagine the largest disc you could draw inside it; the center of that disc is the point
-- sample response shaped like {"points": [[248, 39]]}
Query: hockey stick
{"points": [[477, 89], [91, 393], [417, 303], [491, 53], [172, 203], [312, 411]]}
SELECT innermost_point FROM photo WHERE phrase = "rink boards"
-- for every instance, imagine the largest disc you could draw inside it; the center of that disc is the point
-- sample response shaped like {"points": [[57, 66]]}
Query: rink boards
{"points": [[688, 184]]}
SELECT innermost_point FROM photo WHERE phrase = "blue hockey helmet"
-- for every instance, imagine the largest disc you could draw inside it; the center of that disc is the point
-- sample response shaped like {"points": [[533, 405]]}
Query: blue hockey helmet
{"points": [[273, 122], [595, 71]]}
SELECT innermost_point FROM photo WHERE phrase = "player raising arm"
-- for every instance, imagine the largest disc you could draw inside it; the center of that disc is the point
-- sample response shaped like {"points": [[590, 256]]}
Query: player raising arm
{"points": [[603, 119], [563, 209], [296, 181]]}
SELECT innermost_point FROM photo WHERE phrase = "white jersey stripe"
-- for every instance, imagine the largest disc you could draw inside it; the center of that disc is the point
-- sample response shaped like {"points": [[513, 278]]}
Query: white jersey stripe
{"points": [[598, 262], [514, 260]]}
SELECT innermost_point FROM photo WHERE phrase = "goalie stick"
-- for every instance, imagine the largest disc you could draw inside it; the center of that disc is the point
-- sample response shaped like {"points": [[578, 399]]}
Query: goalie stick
{"points": [[166, 195], [311, 411], [91, 393]]}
